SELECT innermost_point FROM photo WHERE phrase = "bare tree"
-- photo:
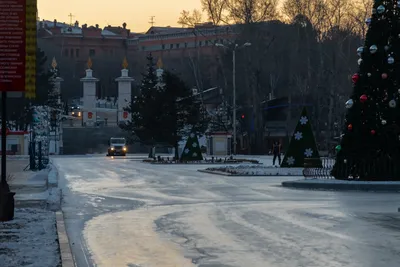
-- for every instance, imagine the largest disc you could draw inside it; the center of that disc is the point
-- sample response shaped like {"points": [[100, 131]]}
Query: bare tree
{"points": [[252, 11], [215, 10], [188, 19]]}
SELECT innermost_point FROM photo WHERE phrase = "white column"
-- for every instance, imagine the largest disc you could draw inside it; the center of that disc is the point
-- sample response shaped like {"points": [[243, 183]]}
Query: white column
{"points": [[89, 98], [124, 95]]}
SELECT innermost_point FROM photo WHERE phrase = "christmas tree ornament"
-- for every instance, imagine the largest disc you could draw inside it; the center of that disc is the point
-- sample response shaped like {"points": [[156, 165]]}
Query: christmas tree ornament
{"points": [[398, 3], [345, 161], [383, 122], [390, 60], [368, 21], [363, 98], [386, 47], [359, 61], [355, 77], [338, 148], [384, 76], [381, 9], [392, 103], [349, 103], [373, 49], [360, 50], [350, 127], [369, 74], [373, 132]]}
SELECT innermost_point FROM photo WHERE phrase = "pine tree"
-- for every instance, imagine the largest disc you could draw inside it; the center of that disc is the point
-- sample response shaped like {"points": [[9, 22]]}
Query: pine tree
{"points": [[182, 113], [192, 150], [302, 145], [371, 134], [146, 109]]}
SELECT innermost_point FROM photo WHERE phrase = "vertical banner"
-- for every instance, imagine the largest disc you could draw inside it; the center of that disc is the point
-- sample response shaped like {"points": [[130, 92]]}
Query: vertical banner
{"points": [[12, 45], [30, 48]]}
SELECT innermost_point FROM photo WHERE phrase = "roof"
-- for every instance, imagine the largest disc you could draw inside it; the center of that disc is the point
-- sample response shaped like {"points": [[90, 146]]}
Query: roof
{"points": [[168, 29]]}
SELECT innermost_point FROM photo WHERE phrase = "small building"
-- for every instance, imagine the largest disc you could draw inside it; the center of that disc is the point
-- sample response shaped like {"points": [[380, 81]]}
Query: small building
{"points": [[219, 144], [17, 143]]}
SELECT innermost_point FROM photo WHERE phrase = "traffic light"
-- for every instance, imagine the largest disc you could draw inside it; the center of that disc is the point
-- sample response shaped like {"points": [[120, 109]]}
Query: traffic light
{"points": [[242, 116]]}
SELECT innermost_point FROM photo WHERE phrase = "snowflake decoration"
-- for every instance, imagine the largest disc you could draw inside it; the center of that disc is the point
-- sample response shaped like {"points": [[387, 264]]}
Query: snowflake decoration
{"points": [[290, 160], [192, 135], [194, 145], [194, 154], [298, 135], [308, 152], [303, 120], [187, 150]]}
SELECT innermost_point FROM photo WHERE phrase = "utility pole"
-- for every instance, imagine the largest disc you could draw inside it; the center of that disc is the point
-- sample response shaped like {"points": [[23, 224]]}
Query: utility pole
{"points": [[152, 22]]}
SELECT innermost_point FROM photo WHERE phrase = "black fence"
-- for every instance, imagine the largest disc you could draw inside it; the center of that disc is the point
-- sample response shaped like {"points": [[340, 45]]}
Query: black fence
{"points": [[377, 169]]}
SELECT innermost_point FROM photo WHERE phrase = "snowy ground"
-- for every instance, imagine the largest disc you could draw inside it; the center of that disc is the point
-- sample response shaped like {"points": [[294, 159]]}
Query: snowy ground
{"points": [[257, 170], [121, 212], [29, 240]]}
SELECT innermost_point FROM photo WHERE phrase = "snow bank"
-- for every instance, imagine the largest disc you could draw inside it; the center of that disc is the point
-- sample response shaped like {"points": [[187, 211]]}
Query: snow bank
{"points": [[54, 199], [53, 177], [29, 240], [257, 170]]}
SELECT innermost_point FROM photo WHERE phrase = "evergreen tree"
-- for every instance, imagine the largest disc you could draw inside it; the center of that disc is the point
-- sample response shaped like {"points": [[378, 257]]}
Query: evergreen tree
{"points": [[192, 150], [146, 108], [371, 134], [182, 113], [302, 145]]}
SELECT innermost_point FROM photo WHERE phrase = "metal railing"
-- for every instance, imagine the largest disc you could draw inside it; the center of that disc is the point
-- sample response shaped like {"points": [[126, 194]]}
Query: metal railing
{"points": [[374, 169]]}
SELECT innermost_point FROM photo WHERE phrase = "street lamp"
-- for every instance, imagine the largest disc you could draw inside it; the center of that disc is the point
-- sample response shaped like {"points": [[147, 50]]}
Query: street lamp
{"points": [[236, 47]]}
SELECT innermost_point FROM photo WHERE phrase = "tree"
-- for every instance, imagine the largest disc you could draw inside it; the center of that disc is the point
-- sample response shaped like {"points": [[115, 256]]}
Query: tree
{"points": [[145, 108], [192, 151], [181, 112], [188, 19], [372, 127], [302, 145]]}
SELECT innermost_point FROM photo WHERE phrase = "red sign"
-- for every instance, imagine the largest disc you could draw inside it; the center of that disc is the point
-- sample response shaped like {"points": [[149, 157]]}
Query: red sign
{"points": [[125, 115], [12, 45], [90, 115]]}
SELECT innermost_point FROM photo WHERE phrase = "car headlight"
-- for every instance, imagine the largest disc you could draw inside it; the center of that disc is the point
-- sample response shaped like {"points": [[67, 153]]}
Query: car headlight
{"points": [[112, 148], [124, 148]]}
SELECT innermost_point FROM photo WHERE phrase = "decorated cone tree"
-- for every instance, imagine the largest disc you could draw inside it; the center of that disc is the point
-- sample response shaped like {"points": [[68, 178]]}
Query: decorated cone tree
{"points": [[192, 151], [370, 143], [302, 145]]}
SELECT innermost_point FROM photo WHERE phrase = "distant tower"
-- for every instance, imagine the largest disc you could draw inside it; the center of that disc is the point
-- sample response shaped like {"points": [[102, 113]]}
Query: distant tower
{"points": [[70, 19], [152, 22]]}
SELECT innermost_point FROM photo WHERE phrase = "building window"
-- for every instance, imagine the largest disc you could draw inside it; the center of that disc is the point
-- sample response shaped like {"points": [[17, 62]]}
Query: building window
{"points": [[186, 45], [66, 52], [177, 46], [200, 43], [171, 46], [72, 52], [206, 43], [163, 46], [77, 52], [92, 52]]}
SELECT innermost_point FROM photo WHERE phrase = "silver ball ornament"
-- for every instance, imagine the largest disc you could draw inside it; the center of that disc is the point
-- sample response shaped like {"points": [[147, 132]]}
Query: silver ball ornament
{"points": [[386, 47], [373, 49], [369, 74], [383, 122], [359, 61], [392, 103], [390, 60], [368, 21], [380, 9], [360, 50], [349, 103]]}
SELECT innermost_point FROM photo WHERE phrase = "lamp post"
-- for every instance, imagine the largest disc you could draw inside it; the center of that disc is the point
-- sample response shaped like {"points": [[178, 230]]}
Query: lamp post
{"points": [[234, 49]]}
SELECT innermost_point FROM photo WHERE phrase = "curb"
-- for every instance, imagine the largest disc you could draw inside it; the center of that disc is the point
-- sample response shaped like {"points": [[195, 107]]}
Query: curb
{"points": [[344, 185], [249, 175], [67, 259]]}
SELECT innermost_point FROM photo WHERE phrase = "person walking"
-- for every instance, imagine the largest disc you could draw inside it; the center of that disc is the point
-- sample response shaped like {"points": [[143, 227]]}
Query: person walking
{"points": [[276, 149]]}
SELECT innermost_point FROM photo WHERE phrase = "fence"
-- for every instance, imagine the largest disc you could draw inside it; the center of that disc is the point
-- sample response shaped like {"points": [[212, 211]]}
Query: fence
{"points": [[374, 169]]}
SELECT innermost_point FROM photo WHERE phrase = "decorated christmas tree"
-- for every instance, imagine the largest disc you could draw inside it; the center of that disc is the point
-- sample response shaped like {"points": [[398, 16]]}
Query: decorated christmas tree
{"points": [[370, 144], [192, 151], [302, 145]]}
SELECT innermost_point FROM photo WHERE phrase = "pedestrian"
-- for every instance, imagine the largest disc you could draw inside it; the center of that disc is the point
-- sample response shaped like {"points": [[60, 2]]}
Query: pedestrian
{"points": [[276, 149]]}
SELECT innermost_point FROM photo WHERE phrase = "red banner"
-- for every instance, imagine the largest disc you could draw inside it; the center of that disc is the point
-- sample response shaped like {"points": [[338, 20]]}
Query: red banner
{"points": [[12, 45]]}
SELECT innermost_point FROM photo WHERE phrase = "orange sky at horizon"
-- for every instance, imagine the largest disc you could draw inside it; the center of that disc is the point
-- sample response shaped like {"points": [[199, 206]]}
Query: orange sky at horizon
{"points": [[136, 13]]}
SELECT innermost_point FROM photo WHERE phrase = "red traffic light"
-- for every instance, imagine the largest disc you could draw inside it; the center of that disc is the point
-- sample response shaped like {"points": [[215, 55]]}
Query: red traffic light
{"points": [[242, 116]]}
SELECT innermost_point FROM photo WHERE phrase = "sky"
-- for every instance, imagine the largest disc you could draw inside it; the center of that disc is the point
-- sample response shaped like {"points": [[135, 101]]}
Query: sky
{"points": [[136, 13]]}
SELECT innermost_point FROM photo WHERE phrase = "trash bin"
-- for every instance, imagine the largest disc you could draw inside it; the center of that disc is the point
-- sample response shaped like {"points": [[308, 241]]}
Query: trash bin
{"points": [[7, 206]]}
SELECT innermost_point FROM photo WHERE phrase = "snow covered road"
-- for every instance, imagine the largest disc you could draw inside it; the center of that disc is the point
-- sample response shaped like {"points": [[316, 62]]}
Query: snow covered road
{"points": [[121, 212]]}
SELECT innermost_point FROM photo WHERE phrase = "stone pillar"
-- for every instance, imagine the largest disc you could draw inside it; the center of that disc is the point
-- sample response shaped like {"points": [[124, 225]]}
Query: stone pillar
{"points": [[124, 93], [89, 97]]}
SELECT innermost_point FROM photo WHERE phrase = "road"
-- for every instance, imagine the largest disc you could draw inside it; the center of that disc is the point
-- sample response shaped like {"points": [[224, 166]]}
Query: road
{"points": [[122, 212]]}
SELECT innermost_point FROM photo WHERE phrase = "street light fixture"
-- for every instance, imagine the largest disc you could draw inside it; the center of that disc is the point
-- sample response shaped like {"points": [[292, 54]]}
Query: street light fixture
{"points": [[236, 47]]}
